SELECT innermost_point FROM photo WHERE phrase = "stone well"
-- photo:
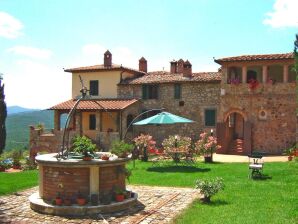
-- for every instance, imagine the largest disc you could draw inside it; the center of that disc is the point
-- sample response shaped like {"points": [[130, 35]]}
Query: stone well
{"points": [[75, 175]]}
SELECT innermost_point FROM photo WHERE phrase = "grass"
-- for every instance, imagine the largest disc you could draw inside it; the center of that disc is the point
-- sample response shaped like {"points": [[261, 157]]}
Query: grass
{"points": [[272, 199], [269, 200], [13, 182]]}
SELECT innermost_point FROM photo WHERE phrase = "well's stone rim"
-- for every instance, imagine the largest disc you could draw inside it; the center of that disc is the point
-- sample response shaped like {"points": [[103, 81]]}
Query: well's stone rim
{"points": [[37, 204], [51, 159]]}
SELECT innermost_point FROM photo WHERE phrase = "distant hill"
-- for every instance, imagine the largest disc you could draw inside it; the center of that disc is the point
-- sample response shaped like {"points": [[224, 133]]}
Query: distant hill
{"points": [[18, 109], [17, 126]]}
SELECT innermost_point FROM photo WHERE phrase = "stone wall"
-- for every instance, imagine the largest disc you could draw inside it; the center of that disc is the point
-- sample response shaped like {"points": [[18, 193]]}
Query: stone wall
{"points": [[195, 96], [41, 141], [271, 109]]}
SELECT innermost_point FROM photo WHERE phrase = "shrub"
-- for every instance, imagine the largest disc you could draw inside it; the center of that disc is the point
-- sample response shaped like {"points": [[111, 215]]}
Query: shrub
{"points": [[209, 187], [144, 143], [183, 143], [121, 148], [206, 145]]}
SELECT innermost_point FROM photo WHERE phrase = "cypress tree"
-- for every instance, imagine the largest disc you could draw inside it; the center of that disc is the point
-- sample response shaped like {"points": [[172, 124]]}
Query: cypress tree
{"points": [[3, 114]]}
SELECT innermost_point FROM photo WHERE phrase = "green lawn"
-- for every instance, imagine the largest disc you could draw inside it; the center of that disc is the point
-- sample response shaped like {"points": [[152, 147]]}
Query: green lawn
{"points": [[13, 182], [271, 200]]}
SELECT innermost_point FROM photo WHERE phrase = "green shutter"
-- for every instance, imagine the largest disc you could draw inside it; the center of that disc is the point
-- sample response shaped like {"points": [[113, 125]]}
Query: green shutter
{"points": [[210, 117], [144, 92], [177, 91]]}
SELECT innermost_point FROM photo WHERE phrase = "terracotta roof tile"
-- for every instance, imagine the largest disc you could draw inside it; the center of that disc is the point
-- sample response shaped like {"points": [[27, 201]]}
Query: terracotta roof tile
{"points": [[166, 77], [256, 57], [102, 68], [109, 104]]}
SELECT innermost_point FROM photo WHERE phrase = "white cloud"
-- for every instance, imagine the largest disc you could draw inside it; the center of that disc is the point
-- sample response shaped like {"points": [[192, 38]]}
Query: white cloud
{"points": [[31, 52], [36, 85], [284, 14], [10, 27]]}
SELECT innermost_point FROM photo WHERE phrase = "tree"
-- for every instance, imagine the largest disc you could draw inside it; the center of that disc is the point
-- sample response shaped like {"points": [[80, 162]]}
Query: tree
{"points": [[3, 114], [296, 54]]}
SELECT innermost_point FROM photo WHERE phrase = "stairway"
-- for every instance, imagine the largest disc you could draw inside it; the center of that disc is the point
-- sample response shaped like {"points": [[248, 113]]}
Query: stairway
{"points": [[236, 147]]}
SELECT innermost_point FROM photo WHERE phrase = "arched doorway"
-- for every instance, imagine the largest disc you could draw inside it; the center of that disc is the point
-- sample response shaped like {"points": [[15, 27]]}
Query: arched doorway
{"points": [[235, 123], [234, 133]]}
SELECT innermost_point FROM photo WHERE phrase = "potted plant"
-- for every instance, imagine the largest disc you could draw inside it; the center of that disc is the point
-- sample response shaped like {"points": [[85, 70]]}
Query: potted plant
{"points": [[81, 200], [121, 149], [105, 157], [289, 153], [58, 199], [119, 194], [144, 143], [127, 194], [209, 188], [206, 146], [83, 145]]}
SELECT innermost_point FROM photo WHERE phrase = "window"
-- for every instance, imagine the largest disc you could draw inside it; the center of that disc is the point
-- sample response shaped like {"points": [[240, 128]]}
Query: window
{"points": [[210, 117], [177, 91], [94, 87], [129, 119], [150, 91], [92, 122]]}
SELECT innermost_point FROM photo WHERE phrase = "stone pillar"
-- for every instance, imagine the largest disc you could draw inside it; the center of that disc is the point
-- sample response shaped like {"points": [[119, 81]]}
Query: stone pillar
{"points": [[94, 180], [224, 74], [244, 74], [56, 120], [40, 167], [265, 73], [286, 73]]}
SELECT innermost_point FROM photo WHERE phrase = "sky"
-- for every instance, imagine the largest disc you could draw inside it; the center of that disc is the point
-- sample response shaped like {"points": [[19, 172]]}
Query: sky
{"points": [[40, 38]]}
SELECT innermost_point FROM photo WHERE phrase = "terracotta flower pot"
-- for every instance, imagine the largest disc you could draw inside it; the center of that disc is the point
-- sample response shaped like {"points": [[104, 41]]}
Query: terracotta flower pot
{"points": [[81, 201], [2, 169], [58, 201], [16, 167], [119, 197], [87, 158], [290, 158], [105, 158]]}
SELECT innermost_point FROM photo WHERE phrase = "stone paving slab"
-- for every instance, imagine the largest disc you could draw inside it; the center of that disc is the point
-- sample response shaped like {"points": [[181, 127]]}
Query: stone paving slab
{"points": [[156, 205]]}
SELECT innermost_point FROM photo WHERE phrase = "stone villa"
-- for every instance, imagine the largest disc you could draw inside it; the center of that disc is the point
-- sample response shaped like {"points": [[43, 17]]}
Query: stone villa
{"points": [[250, 103]]}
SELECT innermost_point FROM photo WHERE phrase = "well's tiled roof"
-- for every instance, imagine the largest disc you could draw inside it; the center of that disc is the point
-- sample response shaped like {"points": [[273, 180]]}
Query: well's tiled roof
{"points": [[256, 57], [109, 104], [102, 68], [166, 77]]}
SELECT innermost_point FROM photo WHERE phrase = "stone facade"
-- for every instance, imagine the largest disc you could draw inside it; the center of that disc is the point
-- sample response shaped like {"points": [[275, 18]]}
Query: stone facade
{"points": [[270, 109], [195, 98]]}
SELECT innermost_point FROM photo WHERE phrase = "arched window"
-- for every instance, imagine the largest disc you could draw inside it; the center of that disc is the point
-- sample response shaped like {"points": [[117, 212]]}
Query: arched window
{"points": [[129, 119]]}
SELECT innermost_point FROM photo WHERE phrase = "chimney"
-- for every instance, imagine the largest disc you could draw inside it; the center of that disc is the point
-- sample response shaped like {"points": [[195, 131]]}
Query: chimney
{"points": [[107, 59], [187, 71], [180, 66], [143, 65], [173, 66]]}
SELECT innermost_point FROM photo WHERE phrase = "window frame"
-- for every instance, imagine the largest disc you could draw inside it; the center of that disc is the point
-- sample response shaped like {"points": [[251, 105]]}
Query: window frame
{"points": [[92, 88], [150, 92], [92, 122], [205, 117], [177, 91]]}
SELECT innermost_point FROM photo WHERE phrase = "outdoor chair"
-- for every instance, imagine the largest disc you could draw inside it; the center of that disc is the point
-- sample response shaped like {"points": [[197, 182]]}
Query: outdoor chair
{"points": [[256, 165]]}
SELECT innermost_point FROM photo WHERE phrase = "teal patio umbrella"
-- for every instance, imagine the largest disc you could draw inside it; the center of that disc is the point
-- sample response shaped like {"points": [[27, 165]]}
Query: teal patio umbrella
{"points": [[163, 118]]}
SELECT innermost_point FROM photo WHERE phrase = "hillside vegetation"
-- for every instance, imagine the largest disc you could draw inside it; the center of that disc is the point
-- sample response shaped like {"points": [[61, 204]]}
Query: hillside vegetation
{"points": [[17, 127]]}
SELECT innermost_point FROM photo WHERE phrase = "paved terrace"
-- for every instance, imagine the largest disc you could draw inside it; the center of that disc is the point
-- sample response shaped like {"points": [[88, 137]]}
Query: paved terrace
{"points": [[156, 205]]}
